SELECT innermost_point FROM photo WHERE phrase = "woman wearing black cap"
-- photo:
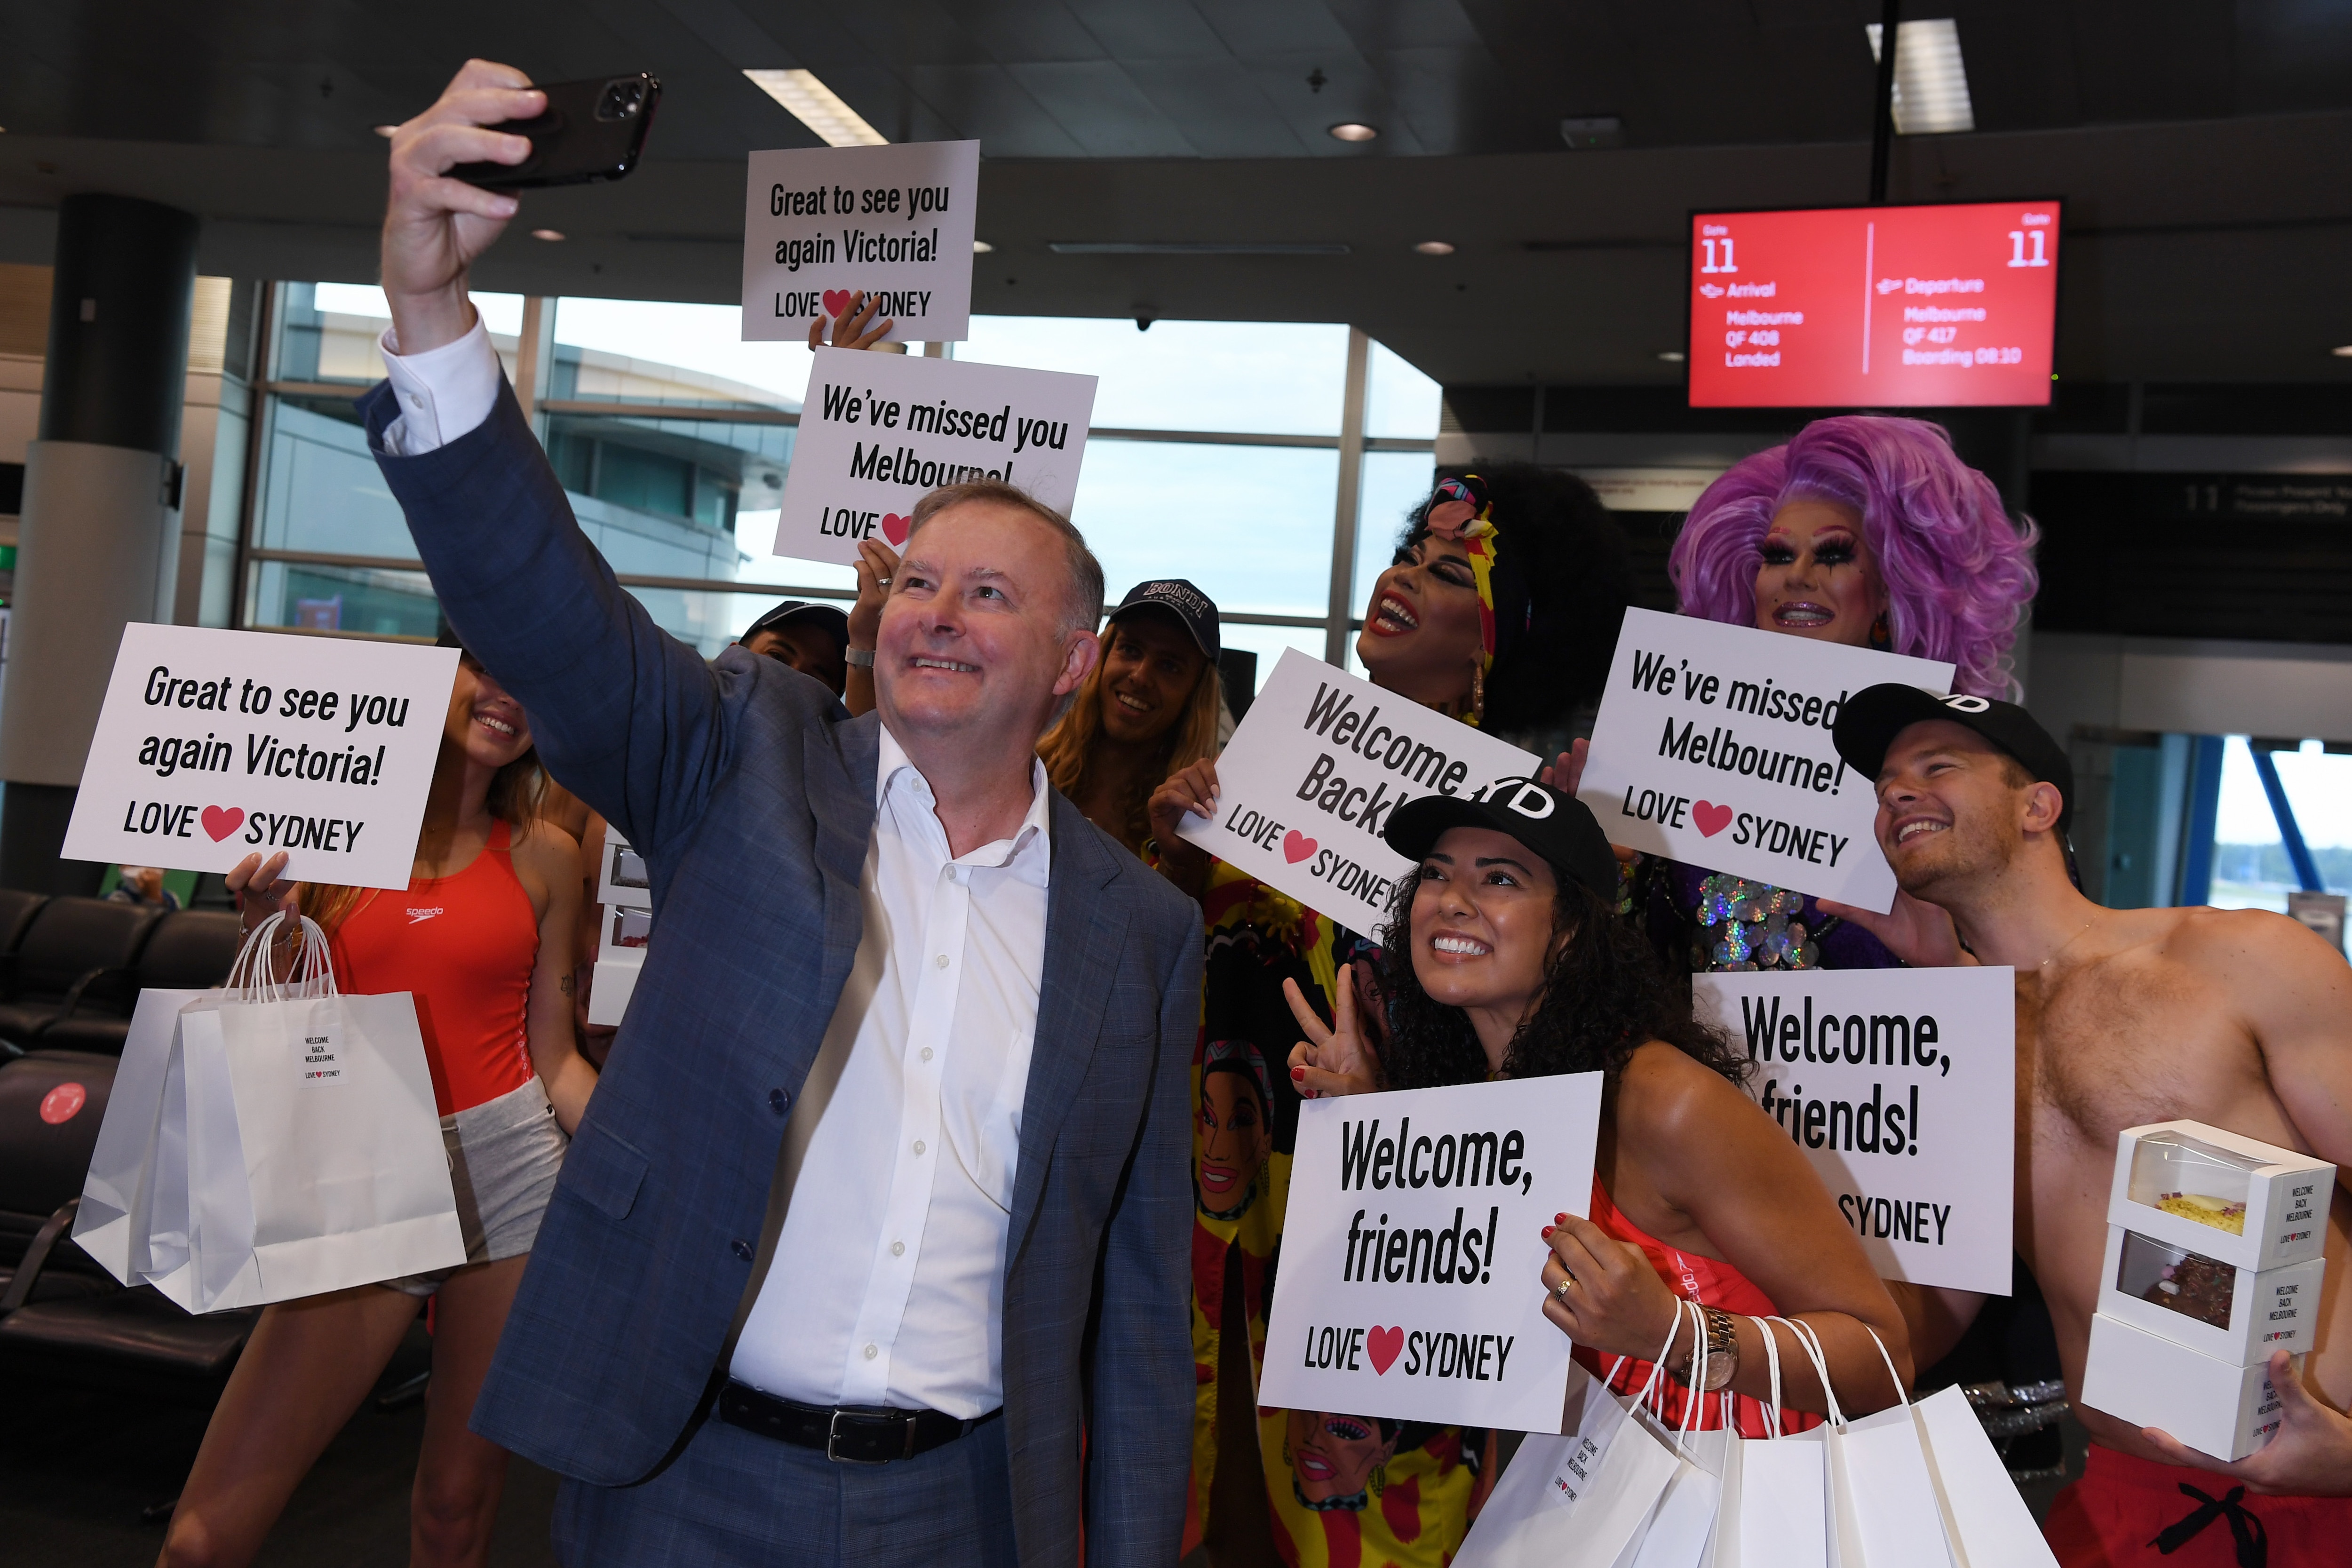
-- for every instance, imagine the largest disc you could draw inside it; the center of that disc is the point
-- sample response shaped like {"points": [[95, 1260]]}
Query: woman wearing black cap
{"points": [[1504, 959], [1150, 709], [1501, 609]]}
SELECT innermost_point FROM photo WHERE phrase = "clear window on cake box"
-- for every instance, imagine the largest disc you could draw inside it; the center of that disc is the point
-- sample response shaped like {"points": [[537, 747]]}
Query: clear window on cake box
{"points": [[2210, 1306], [2236, 1204]]}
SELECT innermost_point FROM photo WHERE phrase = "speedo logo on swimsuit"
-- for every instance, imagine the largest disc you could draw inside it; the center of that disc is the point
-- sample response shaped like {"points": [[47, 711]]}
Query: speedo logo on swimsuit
{"points": [[418, 917]]}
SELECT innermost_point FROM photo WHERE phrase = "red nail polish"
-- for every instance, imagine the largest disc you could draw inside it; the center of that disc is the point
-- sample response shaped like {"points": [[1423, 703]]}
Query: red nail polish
{"points": [[1546, 1232], [1300, 1073], [1559, 1219]]}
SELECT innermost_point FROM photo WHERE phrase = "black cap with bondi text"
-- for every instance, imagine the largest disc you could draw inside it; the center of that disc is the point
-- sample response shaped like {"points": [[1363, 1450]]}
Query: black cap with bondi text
{"points": [[1558, 826], [830, 617], [1872, 717], [1195, 609]]}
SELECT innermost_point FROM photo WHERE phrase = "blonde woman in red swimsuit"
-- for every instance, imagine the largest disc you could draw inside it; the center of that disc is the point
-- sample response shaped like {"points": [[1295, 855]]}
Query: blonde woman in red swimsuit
{"points": [[483, 940], [1504, 959]]}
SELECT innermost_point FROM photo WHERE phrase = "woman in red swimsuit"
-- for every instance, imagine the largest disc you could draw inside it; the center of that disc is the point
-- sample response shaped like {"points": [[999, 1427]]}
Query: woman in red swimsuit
{"points": [[1503, 959], [482, 939]]}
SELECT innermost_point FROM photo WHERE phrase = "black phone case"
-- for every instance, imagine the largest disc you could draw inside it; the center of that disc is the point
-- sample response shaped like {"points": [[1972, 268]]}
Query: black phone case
{"points": [[570, 144]]}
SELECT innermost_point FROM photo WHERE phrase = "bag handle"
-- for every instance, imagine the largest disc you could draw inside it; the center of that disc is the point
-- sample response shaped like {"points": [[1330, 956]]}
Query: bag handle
{"points": [[1812, 1344], [1771, 1360], [1900, 1392], [1658, 1362], [253, 978]]}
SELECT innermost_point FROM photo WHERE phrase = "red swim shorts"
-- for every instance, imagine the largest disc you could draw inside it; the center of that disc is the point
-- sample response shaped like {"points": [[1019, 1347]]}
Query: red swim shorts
{"points": [[2112, 1517]]}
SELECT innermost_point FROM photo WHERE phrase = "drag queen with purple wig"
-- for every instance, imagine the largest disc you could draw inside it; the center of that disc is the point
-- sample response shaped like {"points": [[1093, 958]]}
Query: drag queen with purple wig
{"points": [[1865, 530]]}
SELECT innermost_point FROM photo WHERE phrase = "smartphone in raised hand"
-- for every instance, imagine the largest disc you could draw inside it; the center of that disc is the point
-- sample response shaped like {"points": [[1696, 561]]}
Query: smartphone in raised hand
{"points": [[590, 131]]}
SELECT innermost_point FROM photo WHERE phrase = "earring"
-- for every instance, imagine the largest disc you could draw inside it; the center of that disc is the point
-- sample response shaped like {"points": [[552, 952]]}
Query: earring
{"points": [[1477, 690], [1882, 636], [1379, 1481]]}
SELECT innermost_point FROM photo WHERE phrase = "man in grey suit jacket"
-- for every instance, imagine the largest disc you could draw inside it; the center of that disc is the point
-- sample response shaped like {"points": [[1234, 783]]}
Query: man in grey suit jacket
{"points": [[892, 1142]]}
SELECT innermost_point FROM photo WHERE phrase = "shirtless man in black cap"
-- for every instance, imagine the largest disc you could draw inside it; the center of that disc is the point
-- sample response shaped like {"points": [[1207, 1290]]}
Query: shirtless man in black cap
{"points": [[2238, 1019]]}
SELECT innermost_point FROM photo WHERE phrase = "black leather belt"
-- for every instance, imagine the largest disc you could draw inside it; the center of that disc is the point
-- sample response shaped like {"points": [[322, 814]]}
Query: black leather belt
{"points": [[863, 1436]]}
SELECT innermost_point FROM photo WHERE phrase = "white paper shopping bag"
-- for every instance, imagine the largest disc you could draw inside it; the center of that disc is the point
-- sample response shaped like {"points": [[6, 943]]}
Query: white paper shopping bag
{"points": [[1883, 1512], [1985, 1518], [123, 1163], [1579, 1499], [1775, 1508], [1682, 1523], [315, 1157]]}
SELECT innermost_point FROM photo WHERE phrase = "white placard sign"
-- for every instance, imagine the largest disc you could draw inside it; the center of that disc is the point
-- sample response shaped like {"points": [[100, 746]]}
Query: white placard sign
{"points": [[822, 224], [1713, 747], [878, 432], [1412, 1252], [213, 745], [1307, 785], [1900, 1085]]}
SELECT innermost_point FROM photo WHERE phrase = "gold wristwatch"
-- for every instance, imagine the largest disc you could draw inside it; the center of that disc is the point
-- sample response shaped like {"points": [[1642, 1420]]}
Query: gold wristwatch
{"points": [[1722, 1351]]}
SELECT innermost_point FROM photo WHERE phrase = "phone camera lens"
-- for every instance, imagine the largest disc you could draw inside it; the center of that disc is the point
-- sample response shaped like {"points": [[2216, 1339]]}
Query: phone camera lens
{"points": [[621, 100]]}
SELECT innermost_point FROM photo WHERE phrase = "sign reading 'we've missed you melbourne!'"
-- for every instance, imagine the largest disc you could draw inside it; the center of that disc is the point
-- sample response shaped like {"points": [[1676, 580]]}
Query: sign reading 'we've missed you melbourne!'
{"points": [[1713, 747], [213, 745]]}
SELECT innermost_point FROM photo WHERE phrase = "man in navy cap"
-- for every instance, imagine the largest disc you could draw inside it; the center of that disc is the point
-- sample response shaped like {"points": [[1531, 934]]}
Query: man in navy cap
{"points": [[2239, 1018]]}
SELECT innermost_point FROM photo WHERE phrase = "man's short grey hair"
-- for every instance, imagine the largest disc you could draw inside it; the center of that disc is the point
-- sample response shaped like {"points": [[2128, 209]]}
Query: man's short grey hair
{"points": [[1083, 603]]}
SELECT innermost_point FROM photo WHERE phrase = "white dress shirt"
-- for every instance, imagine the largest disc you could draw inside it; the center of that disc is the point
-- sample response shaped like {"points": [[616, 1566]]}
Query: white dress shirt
{"points": [[887, 1284]]}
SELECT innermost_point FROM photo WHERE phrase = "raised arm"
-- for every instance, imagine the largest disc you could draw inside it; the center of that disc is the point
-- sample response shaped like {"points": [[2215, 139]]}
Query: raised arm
{"points": [[626, 715]]}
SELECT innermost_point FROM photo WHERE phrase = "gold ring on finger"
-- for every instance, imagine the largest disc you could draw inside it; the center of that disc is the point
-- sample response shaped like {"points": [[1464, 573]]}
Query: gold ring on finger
{"points": [[1560, 1291]]}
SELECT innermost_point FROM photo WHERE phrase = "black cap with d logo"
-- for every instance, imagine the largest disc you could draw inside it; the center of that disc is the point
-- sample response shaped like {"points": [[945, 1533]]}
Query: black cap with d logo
{"points": [[1556, 826]]}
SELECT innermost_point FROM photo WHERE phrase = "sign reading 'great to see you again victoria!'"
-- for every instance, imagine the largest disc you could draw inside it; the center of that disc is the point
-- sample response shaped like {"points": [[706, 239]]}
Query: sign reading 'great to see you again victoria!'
{"points": [[213, 745], [1713, 747], [822, 224], [1412, 1278], [1308, 783]]}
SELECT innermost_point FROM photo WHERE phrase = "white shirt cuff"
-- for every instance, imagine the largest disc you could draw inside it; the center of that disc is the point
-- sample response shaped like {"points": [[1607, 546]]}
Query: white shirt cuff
{"points": [[443, 393]]}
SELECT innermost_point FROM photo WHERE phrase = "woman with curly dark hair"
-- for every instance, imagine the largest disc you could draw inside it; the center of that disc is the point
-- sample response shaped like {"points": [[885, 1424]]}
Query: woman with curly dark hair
{"points": [[1503, 958]]}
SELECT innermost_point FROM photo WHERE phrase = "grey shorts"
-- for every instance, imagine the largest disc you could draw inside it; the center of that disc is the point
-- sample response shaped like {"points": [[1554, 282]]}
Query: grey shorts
{"points": [[503, 1159]]}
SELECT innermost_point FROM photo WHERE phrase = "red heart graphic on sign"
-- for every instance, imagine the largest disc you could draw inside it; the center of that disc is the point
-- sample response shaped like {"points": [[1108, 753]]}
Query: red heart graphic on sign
{"points": [[1712, 819], [837, 301], [63, 1102], [1385, 1345], [220, 821], [1296, 847], [896, 528]]}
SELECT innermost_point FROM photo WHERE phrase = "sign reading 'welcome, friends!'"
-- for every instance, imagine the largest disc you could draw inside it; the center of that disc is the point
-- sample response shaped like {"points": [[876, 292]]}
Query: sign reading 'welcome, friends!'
{"points": [[1307, 785], [1412, 1279], [213, 745], [1900, 1086], [1713, 747]]}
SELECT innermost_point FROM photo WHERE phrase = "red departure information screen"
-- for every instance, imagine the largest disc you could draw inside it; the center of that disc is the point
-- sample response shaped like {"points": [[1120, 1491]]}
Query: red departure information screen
{"points": [[1884, 307]]}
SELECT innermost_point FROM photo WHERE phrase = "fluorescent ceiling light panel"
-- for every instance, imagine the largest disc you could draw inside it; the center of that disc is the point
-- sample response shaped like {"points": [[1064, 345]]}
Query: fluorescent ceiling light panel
{"points": [[1931, 83], [818, 107]]}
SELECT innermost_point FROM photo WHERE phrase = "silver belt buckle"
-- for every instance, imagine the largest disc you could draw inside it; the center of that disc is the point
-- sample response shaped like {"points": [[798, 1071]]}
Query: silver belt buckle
{"points": [[833, 1436]]}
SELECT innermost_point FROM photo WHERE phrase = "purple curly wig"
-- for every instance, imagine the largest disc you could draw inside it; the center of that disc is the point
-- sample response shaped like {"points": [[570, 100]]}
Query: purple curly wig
{"points": [[1958, 571]]}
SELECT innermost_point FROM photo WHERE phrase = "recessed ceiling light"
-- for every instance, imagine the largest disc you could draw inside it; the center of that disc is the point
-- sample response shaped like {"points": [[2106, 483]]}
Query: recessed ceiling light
{"points": [[818, 107], [1673, 356], [1354, 131], [981, 248], [385, 131], [1931, 84], [2341, 350], [1435, 248], [548, 234]]}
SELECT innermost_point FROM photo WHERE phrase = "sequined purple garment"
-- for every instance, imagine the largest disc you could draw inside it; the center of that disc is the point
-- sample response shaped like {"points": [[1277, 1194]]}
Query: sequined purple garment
{"points": [[1705, 921]]}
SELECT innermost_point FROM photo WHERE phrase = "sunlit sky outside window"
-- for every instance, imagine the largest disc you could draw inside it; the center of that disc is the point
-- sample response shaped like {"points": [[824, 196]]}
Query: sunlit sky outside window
{"points": [[2318, 785], [1251, 525]]}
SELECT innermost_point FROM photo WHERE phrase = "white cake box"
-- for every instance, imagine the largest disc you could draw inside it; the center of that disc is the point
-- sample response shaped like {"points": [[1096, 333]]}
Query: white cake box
{"points": [[2214, 1407], [2279, 1197], [2195, 1300]]}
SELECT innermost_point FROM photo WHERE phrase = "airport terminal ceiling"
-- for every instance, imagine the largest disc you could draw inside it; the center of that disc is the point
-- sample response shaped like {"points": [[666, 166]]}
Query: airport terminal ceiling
{"points": [[2201, 149]]}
